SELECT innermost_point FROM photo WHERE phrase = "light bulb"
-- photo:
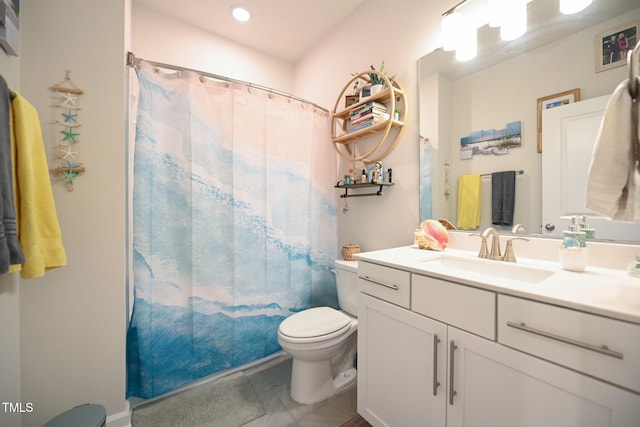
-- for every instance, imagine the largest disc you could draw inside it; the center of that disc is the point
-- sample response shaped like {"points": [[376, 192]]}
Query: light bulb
{"points": [[514, 23], [495, 11], [240, 13], [569, 7], [451, 27], [467, 42]]}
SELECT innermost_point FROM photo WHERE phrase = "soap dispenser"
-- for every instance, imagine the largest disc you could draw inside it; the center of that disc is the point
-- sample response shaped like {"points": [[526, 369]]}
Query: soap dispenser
{"points": [[589, 232], [574, 253]]}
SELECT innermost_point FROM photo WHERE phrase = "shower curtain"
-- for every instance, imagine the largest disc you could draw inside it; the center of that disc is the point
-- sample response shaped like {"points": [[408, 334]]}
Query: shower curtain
{"points": [[234, 225]]}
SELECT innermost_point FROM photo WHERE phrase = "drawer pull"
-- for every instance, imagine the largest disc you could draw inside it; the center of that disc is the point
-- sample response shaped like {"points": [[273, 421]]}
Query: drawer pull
{"points": [[436, 383], [452, 348], [602, 350], [386, 285]]}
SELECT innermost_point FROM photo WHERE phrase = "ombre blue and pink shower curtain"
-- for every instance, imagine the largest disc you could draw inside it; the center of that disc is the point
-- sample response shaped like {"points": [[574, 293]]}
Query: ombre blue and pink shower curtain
{"points": [[234, 225]]}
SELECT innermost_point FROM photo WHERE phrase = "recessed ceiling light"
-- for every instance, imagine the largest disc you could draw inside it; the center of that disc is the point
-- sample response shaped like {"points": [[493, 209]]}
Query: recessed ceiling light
{"points": [[240, 13]]}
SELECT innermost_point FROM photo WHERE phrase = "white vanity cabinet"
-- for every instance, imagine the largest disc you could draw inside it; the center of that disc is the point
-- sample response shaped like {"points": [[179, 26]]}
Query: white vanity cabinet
{"points": [[437, 359], [401, 354], [401, 366], [500, 387]]}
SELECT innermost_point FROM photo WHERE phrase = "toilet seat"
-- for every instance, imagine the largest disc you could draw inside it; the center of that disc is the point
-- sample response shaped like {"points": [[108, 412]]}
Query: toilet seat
{"points": [[314, 325]]}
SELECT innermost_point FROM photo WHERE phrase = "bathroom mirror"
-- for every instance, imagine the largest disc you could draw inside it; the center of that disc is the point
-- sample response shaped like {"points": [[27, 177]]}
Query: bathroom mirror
{"points": [[501, 86]]}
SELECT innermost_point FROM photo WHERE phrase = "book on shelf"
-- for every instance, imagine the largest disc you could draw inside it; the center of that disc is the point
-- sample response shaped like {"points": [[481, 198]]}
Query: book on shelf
{"points": [[367, 112], [372, 116], [368, 106], [363, 125]]}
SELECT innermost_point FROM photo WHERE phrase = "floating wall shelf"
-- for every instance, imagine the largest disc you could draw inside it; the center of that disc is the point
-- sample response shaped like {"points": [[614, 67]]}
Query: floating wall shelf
{"points": [[355, 186]]}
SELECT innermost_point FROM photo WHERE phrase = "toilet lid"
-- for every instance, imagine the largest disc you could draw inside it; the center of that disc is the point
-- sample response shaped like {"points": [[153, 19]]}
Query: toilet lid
{"points": [[315, 322], [87, 415]]}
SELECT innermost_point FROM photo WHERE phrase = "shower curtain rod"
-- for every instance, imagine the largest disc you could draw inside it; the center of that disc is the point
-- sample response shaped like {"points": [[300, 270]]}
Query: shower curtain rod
{"points": [[133, 61]]}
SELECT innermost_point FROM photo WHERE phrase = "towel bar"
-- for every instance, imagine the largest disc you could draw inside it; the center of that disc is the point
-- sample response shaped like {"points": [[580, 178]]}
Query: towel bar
{"points": [[518, 172]]}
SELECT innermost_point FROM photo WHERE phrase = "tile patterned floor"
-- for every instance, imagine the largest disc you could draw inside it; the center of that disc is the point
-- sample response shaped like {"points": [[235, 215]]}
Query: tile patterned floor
{"points": [[271, 383]]}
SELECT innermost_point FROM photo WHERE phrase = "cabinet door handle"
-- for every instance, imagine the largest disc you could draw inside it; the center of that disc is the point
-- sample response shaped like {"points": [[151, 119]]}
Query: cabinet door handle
{"points": [[436, 383], [602, 350], [452, 349], [386, 285]]}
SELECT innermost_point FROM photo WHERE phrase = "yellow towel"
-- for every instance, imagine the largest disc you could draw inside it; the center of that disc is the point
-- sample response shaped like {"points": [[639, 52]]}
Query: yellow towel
{"points": [[469, 201], [38, 227]]}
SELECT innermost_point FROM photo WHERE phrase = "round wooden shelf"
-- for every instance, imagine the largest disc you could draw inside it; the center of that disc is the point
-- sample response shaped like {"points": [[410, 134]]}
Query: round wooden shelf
{"points": [[391, 96]]}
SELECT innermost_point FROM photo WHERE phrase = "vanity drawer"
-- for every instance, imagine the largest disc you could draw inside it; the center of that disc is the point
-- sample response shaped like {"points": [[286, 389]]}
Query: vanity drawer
{"points": [[465, 307], [386, 283], [599, 346]]}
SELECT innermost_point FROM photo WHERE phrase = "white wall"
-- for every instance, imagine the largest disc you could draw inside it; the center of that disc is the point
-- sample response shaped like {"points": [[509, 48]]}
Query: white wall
{"points": [[10, 350], [72, 321]]}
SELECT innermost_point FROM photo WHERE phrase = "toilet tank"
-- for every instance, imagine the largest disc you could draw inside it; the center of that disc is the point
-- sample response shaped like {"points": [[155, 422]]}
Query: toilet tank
{"points": [[347, 285]]}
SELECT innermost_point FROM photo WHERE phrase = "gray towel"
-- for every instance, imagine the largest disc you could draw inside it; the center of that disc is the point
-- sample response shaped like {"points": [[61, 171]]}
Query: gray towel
{"points": [[10, 250], [503, 196]]}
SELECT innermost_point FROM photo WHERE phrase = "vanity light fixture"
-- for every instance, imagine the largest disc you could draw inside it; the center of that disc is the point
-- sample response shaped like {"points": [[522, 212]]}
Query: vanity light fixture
{"points": [[460, 23], [495, 12], [467, 41], [240, 13], [514, 22], [459, 27], [451, 27], [568, 7]]}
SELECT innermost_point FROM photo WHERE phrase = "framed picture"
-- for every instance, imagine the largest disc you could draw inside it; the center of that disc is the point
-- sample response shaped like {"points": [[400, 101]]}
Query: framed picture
{"points": [[552, 101], [9, 26], [349, 100], [365, 91], [613, 45]]}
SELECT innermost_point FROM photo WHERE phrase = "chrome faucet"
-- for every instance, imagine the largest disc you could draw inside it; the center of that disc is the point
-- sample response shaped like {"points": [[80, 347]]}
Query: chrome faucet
{"points": [[495, 243], [484, 252], [518, 227], [509, 255]]}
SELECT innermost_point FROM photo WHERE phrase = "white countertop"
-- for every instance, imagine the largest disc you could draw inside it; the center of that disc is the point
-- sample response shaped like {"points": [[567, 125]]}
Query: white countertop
{"points": [[608, 292]]}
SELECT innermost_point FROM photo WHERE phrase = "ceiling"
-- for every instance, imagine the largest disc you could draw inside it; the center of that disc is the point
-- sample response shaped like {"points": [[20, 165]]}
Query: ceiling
{"points": [[285, 29]]}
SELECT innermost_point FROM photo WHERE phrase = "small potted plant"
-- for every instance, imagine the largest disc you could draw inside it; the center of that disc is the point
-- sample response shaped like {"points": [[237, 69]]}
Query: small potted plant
{"points": [[377, 82]]}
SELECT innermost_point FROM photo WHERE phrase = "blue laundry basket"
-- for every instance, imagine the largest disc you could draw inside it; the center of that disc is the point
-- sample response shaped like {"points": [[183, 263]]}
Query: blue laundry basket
{"points": [[87, 415]]}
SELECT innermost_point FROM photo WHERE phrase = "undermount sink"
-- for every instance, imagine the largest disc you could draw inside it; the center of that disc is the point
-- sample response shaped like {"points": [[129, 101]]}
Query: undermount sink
{"points": [[490, 269]]}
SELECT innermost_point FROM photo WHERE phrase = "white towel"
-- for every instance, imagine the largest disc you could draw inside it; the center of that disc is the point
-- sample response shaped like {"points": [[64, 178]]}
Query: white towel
{"points": [[611, 188]]}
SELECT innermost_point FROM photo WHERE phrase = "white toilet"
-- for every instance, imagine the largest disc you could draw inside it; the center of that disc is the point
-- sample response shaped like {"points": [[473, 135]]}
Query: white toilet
{"points": [[322, 341]]}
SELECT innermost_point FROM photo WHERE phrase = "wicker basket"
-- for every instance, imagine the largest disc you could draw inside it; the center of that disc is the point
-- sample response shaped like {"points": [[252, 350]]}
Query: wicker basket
{"points": [[349, 250]]}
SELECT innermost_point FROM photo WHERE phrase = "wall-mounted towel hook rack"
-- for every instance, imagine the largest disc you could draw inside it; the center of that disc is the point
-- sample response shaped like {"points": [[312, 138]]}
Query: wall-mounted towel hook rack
{"points": [[634, 80]]}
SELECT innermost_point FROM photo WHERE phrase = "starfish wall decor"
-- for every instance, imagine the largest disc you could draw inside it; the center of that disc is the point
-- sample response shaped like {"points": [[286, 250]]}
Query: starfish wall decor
{"points": [[67, 107]]}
